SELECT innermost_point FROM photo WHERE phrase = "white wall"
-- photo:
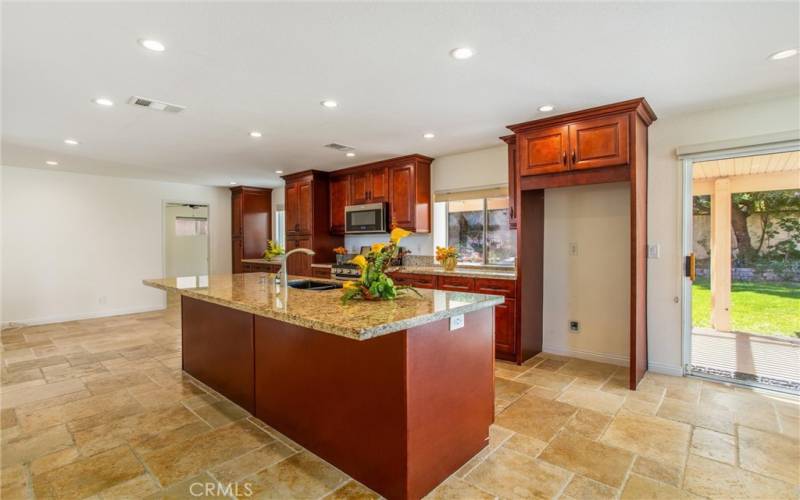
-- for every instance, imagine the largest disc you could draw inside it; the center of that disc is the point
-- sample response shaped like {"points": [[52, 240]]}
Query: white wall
{"points": [[184, 255], [664, 205], [78, 246], [593, 286]]}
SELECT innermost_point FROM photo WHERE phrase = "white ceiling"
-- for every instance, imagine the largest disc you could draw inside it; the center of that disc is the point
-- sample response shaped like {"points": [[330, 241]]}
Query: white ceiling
{"points": [[266, 66]]}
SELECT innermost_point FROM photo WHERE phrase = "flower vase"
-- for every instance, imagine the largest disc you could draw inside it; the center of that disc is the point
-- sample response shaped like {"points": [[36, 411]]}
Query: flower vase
{"points": [[449, 263]]}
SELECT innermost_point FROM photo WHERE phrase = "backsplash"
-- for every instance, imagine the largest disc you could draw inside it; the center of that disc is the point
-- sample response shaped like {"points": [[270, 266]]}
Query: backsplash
{"points": [[418, 244]]}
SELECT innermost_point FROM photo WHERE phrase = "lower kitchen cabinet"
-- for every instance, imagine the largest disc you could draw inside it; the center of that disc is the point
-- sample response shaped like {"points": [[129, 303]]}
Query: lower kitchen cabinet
{"points": [[252, 267], [321, 272], [505, 339], [415, 280]]}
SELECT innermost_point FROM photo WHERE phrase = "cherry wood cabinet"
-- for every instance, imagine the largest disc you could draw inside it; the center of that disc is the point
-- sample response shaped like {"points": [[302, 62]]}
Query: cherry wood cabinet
{"points": [[598, 145], [251, 211], [253, 267], [308, 221], [416, 280], [340, 198], [321, 272], [505, 331], [511, 140], [455, 283], [404, 183]]}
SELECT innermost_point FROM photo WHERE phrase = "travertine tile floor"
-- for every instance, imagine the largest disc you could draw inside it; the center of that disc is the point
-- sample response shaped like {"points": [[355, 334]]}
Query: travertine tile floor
{"points": [[100, 409]]}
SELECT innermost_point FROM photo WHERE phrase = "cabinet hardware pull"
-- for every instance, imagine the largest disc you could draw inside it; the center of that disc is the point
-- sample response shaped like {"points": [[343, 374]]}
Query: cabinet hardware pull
{"points": [[573, 157], [564, 158]]}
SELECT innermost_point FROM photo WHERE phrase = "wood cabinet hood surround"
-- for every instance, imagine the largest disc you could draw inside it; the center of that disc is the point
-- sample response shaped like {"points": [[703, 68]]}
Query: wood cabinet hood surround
{"points": [[593, 146]]}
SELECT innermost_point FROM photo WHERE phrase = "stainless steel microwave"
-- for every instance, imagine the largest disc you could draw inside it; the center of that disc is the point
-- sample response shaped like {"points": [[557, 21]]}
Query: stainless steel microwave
{"points": [[370, 218]]}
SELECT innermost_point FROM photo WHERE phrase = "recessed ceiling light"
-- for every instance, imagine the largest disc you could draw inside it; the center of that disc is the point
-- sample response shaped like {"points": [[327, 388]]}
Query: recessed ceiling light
{"points": [[71, 142], [255, 133], [279, 171], [546, 108], [52, 163], [350, 154], [462, 53], [153, 45], [104, 101], [232, 183], [329, 103], [429, 135], [783, 54]]}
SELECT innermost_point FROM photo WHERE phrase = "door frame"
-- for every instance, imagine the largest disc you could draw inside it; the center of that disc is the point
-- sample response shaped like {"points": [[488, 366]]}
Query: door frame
{"points": [[164, 203], [687, 162]]}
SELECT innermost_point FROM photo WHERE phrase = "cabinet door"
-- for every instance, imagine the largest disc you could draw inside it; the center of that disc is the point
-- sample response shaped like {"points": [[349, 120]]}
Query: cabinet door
{"points": [[359, 188], [379, 185], [456, 283], [402, 196], [339, 188], [512, 186], [321, 272], [238, 255], [255, 223], [505, 339], [236, 214], [601, 142], [542, 151], [292, 201], [305, 208], [298, 264]]}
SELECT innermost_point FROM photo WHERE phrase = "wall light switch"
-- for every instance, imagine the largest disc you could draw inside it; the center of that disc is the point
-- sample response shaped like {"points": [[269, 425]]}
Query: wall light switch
{"points": [[456, 322], [654, 251], [574, 326], [573, 248]]}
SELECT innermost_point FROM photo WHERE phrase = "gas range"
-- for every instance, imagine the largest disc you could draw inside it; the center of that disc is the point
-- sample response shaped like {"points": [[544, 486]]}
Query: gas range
{"points": [[345, 271]]}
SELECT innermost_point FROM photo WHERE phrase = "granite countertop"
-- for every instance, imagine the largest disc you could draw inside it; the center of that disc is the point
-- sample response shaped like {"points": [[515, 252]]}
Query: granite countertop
{"points": [[322, 310], [468, 272]]}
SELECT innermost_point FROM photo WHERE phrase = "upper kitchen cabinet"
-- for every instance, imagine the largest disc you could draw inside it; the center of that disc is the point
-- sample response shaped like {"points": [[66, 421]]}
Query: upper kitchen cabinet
{"points": [[308, 221], [250, 223], [340, 198], [511, 140], [410, 193], [577, 141], [370, 185], [404, 183]]}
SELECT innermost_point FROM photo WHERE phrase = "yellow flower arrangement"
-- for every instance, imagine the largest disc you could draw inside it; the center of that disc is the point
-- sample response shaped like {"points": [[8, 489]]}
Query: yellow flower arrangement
{"points": [[374, 283], [447, 256]]}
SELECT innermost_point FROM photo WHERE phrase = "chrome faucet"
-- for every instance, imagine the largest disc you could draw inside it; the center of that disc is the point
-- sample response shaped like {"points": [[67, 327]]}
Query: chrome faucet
{"points": [[282, 273]]}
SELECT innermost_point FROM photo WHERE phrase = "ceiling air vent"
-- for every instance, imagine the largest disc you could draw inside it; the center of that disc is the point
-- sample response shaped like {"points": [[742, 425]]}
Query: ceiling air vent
{"points": [[339, 147], [157, 105]]}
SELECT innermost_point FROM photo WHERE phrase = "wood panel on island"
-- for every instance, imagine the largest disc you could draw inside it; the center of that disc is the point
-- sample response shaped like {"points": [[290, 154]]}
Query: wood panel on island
{"points": [[251, 214], [598, 145]]}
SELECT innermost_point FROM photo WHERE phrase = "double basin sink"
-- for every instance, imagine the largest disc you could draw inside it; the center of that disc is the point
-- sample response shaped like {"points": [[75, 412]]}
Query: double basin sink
{"points": [[314, 286]]}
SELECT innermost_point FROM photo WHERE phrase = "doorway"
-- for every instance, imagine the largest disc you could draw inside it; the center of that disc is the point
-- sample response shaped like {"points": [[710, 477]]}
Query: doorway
{"points": [[186, 242], [741, 300]]}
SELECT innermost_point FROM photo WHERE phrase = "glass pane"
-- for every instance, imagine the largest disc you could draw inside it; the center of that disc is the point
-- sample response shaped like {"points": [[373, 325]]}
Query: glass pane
{"points": [[501, 243], [202, 226], [184, 227], [465, 229]]}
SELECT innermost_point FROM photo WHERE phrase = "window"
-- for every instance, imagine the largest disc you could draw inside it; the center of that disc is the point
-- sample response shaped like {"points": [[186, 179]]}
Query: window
{"points": [[191, 226], [478, 228], [280, 232]]}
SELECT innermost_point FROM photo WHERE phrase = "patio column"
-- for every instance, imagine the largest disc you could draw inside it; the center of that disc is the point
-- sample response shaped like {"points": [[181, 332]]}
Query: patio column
{"points": [[721, 255]]}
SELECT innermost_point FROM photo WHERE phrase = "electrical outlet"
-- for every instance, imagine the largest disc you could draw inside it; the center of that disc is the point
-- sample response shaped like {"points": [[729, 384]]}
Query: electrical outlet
{"points": [[654, 251], [573, 248], [456, 322], [101, 299], [574, 326]]}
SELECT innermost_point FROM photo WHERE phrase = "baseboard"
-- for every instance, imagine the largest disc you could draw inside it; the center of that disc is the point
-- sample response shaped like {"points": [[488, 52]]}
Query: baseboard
{"points": [[665, 369], [79, 316], [612, 359]]}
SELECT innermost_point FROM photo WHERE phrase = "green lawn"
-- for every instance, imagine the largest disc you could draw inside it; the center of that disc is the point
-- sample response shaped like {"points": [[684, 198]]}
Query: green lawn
{"points": [[769, 308]]}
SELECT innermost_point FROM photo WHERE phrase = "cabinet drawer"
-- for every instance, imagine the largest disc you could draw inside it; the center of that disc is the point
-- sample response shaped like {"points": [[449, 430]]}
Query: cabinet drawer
{"points": [[506, 288], [415, 280], [456, 283]]}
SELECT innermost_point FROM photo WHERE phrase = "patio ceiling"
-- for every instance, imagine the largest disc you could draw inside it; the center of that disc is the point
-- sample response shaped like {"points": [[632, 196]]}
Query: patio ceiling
{"points": [[748, 165]]}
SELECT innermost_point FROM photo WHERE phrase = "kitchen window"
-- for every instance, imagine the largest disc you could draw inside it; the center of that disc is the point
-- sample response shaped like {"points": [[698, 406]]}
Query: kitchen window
{"points": [[478, 227], [279, 226]]}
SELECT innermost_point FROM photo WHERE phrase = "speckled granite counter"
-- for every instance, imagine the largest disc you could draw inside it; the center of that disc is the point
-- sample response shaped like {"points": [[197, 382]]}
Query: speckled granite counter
{"points": [[468, 272], [257, 293]]}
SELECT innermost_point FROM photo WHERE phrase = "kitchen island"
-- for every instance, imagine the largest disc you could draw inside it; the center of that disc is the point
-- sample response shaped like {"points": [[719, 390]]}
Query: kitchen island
{"points": [[398, 394]]}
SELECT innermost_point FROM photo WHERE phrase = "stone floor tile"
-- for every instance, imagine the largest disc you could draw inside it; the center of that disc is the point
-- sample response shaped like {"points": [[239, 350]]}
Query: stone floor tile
{"points": [[581, 488], [546, 379], [551, 365], [653, 437], [525, 444], [66, 371], [300, 476], [599, 401], [200, 486], [146, 443], [89, 476], [590, 370], [640, 487], [27, 447], [132, 489], [588, 458], [251, 463], [589, 423], [174, 463], [14, 482], [714, 445], [508, 474], [536, 417], [497, 437], [712, 479], [60, 458], [456, 489], [21, 396], [509, 390], [34, 419], [659, 471], [353, 490], [769, 454]]}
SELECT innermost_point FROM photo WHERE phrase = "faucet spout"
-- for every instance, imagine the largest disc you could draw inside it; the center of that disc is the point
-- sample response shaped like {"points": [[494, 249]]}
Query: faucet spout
{"points": [[283, 273]]}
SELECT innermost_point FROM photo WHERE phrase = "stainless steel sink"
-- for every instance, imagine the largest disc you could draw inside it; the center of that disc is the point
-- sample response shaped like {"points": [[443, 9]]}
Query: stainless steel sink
{"points": [[316, 286]]}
